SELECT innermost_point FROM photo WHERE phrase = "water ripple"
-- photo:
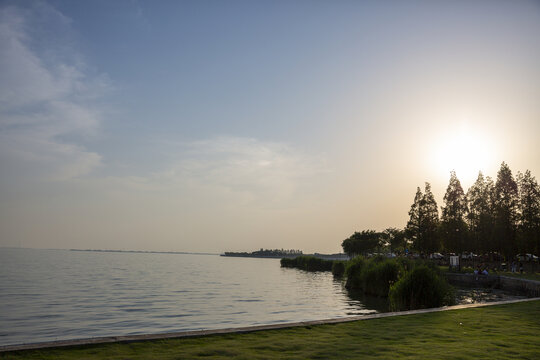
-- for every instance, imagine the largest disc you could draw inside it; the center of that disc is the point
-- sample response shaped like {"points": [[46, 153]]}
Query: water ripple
{"points": [[58, 294]]}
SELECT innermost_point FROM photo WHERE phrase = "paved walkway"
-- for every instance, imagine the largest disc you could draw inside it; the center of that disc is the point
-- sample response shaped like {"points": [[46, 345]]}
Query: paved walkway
{"points": [[186, 334]]}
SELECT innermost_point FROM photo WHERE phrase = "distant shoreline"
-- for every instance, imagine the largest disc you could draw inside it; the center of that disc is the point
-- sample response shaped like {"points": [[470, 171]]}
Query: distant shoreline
{"points": [[281, 256], [145, 252]]}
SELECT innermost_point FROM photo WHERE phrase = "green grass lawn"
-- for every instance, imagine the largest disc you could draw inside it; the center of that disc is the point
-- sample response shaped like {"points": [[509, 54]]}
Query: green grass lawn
{"points": [[493, 332]]}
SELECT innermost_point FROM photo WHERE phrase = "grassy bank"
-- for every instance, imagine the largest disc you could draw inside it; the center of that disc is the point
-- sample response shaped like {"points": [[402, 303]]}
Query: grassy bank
{"points": [[470, 270], [495, 332]]}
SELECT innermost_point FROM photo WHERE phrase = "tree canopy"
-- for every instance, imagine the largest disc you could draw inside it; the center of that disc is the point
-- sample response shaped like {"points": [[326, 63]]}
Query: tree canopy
{"points": [[360, 243]]}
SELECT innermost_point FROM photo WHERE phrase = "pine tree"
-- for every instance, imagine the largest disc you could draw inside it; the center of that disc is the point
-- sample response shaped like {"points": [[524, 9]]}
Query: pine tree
{"points": [[423, 221], [480, 214], [529, 213], [430, 221], [413, 225], [505, 211], [453, 225]]}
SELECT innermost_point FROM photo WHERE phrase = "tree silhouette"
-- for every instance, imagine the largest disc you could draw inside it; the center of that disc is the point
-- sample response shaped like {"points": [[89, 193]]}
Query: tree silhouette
{"points": [[395, 238], [423, 221], [480, 214], [412, 230], [505, 211], [430, 221], [501, 217], [529, 213], [453, 225], [360, 243]]}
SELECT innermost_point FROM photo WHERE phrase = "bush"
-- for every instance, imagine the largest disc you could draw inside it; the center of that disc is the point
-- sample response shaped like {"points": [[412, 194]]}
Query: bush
{"points": [[432, 265], [420, 288], [338, 268], [353, 270], [379, 276], [378, 258], [373, 276], [405, 264], [308, 263], [287, 262]]}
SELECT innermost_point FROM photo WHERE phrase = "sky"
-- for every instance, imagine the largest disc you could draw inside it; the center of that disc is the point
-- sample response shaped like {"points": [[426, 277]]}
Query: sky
{"points": [[213, 126]]}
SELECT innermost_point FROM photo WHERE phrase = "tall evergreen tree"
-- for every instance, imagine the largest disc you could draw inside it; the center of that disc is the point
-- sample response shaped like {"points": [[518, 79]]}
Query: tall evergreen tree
{"points": [[423, 221], [480, 214], [412, 229], [529, 213], [453, 225], [505, 211], [430, 221]]}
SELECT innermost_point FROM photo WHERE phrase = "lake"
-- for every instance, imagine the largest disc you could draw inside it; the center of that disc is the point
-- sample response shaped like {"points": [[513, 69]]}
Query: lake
{"points": [[60, 294]]}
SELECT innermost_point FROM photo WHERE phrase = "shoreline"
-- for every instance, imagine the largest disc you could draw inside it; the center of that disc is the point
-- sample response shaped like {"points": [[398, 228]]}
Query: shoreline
{"points": [[247, 329], [337, 256]]}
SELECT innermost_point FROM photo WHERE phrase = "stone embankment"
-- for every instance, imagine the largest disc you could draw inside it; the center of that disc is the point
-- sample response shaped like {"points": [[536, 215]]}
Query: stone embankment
{"points": [[530, 288]]}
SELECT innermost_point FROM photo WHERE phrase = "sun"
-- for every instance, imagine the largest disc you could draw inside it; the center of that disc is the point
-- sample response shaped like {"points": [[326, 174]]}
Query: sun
{"points": [[464, 151]]}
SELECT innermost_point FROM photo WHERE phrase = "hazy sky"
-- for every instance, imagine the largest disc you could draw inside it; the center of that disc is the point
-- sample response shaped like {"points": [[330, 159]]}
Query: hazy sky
{"points": [[236, 125]]}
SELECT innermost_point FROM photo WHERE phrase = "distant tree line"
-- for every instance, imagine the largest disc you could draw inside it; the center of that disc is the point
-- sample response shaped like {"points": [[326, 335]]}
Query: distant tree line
{"points": [[266, 253], [274, 252], [491, 217]]}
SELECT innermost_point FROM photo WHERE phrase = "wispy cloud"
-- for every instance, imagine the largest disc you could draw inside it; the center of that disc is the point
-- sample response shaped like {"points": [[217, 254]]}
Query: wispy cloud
{"points": [[236, 169], [248, 165], [45, 96]]}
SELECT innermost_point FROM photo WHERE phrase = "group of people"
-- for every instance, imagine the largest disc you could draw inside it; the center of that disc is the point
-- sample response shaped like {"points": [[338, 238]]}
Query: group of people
{"points": [[514, 265], [479, 271]]}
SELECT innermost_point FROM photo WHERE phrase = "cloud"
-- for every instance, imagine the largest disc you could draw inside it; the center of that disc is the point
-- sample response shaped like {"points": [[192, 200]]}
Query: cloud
{"points": [[46, 97], [240, 163], [243, 168]]}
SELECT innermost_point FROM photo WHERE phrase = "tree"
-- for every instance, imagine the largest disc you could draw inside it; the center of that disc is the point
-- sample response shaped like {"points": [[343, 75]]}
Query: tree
{"points": [[453, 225], [430, 221], [412, 230], [480, 214], [423, 221], [395, 238], [505, 211], [529, 213], [361, 243]]}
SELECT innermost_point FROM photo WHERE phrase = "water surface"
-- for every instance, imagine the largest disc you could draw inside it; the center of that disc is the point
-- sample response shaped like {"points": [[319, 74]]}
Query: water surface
{"points": [[59, 294]]}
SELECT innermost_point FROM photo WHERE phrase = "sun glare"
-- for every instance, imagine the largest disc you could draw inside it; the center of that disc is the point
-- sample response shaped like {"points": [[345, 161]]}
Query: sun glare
{"points": [[464, 151]]}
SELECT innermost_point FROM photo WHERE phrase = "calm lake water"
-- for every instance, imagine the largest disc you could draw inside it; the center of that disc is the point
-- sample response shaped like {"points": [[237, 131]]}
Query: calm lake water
{"points": [[59, 294]]}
